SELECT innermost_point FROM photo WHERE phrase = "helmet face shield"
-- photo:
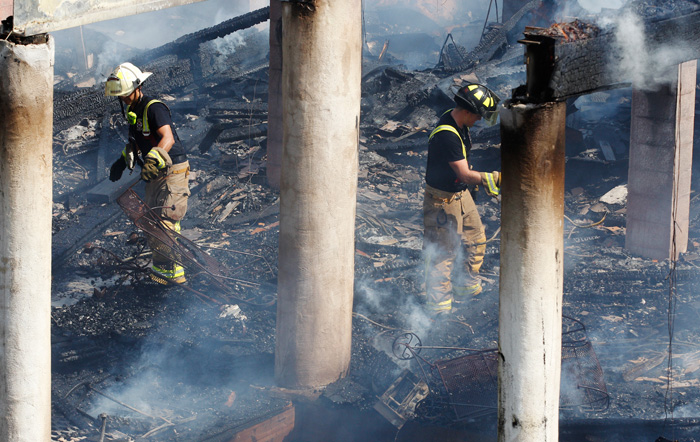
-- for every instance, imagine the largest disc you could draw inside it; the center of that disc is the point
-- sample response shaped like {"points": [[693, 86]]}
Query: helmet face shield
{"points": [[113, 87], [124, 80], [490, 118]]}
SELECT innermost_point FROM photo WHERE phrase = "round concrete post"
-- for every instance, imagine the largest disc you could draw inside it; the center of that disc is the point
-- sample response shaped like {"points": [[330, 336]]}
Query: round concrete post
{"points": [[322, 49], [26, 124], [531, 277]]}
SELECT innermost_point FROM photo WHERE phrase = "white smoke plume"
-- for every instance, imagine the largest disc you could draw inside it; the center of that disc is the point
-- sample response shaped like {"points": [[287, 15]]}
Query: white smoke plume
{"points": [[646, 67]]}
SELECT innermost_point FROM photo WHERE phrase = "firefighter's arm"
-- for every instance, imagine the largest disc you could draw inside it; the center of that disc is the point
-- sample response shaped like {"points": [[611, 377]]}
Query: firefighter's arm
{"points": [[166, 137], [464, 173]]}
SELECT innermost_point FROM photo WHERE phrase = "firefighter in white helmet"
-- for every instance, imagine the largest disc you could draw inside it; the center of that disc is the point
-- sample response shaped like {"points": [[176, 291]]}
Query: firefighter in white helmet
{"points": [[452, 226], [153, 144]]}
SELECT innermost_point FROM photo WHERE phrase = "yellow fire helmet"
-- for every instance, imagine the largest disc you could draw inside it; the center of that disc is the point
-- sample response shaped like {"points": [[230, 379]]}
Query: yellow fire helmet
{"points": [[124, 80]]}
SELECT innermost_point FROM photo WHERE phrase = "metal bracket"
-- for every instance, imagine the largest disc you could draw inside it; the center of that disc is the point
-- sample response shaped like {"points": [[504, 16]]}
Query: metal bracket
{"points": [[539, 58]]}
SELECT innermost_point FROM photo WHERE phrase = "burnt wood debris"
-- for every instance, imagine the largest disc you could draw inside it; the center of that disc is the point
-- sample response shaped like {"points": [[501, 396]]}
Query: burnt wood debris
{"points": [[136, 361]]}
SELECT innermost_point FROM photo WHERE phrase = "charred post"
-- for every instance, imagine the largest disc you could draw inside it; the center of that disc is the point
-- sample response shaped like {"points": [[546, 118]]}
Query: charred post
{"points": [[531, 279], [26, 116], [532, 250]]}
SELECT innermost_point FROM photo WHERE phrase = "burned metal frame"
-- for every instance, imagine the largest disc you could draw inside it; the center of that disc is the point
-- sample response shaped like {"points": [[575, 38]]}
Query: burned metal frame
{"points": [[183, 251], [469, 378]]}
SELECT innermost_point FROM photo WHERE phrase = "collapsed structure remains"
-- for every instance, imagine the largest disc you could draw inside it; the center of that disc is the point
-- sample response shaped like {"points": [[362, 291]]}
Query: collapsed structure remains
{"points": [[587, 150]]}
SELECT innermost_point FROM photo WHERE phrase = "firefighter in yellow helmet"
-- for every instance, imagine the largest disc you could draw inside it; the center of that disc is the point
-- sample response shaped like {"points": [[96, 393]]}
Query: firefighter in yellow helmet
{"points": [[452, 226], [155, 145]]}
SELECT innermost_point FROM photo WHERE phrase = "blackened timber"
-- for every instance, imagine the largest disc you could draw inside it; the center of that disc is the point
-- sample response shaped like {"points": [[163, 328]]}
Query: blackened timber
{"points": [[417, 145], [191, 42], [170, 73], [93, 220], [588, 65], [242, 133], [494, 40]]}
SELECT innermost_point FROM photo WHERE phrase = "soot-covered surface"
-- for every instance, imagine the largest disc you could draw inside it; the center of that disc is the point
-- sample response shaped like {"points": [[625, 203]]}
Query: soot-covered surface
{"points": [[186, 364]]}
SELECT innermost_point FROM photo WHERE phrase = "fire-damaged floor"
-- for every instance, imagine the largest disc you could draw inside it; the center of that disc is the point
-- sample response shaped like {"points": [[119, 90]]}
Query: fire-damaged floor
{"points": [[134, 360]]}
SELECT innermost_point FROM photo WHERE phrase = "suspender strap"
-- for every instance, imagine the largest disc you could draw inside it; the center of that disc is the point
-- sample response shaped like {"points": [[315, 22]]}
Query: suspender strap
{"points": [[454, 131]]}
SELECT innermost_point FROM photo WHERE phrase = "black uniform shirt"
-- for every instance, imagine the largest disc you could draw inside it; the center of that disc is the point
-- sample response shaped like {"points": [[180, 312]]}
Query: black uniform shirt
{"points": [[158, 116], [444, 148]]}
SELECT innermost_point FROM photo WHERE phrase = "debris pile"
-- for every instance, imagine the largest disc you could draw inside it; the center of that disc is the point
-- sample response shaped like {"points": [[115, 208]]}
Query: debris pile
{"points": [[138, 361]]}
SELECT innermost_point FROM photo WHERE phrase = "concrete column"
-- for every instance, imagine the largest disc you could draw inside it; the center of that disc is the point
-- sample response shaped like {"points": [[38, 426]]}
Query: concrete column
{"points": [[660, 167], [322, 50], [26, 124], [531, 278], [274, 98]]}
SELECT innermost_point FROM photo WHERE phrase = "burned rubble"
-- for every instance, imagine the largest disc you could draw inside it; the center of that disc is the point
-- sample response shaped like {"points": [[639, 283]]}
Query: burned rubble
{"points": [[136, 361]]}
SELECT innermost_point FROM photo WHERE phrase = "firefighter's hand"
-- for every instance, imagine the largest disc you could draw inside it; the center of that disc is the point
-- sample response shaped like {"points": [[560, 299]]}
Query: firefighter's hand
{"points": [[115, 172], [491, 182], [150, 169]]}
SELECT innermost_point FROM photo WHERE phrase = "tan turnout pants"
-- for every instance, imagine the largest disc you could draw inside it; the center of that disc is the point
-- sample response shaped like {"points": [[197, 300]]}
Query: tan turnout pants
{"points": [[172, 191], [452, 226]]}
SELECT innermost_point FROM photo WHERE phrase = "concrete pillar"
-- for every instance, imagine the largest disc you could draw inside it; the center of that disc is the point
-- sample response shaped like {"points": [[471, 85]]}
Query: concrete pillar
{"points": [[322, 50], [26, 124], [531, 277], [274, 98], [660, 167]]}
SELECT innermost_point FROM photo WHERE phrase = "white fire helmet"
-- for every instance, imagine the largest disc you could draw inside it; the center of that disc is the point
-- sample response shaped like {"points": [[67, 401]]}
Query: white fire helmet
{"points": [[124, 80]]}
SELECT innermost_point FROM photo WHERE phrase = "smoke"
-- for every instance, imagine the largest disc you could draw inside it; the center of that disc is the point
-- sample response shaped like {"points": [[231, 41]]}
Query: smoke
{"points": [[599, 5], [109, 58], [172, 370], [645, 67]]}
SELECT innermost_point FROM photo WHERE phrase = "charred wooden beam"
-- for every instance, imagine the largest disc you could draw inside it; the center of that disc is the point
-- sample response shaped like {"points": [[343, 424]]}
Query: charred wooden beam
{"points": [[191, 42], [170, 72], [495, 40], [567, 60]]}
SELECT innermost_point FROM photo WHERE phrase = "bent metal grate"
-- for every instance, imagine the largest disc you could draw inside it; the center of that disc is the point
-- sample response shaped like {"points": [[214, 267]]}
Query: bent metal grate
{"points": [[471, 381], [168, 242]]}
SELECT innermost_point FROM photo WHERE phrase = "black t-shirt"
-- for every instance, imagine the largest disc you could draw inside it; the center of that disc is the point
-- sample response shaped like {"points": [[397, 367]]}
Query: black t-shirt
{"points": [[444, 148], [158, 115]]}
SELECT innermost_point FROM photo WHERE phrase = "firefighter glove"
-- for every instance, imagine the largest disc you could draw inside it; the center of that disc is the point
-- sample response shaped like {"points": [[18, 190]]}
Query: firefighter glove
{"points": [[130, 156], [491, 182], [115, 172], [152, 166]]}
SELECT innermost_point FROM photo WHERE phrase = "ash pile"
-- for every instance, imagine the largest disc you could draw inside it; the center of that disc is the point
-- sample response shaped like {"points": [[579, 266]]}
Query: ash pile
{"points": [[133, 360]]}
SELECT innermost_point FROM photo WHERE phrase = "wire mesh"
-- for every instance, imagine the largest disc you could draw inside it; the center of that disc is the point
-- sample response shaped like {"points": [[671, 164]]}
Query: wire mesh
{"points": [[471, 381]]}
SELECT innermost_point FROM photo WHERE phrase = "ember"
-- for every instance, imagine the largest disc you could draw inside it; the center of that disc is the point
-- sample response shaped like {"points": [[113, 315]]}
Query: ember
{"points": [[571, 31]]}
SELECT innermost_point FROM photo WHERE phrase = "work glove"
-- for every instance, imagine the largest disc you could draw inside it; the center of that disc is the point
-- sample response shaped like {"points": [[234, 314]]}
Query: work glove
{"points": [[115, 172], [150, 169], [491, 182], [130, 156], [152, 166]]}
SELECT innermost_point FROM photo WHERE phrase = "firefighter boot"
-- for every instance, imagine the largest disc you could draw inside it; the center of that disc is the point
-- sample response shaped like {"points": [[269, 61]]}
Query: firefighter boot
{"points": [[170, 273], [467, 289]]}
